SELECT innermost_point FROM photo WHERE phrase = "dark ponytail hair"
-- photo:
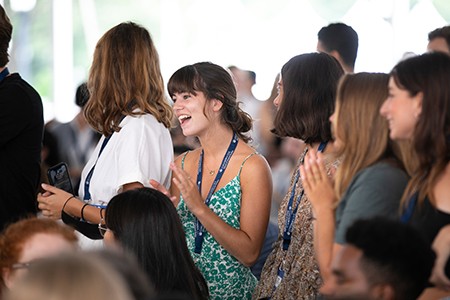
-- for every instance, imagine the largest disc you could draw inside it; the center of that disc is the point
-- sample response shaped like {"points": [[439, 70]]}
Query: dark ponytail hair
{"points": [[216, 83]]}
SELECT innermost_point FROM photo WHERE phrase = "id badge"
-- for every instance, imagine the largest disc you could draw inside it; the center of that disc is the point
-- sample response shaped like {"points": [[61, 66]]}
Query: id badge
{"points": [[280, 275]]}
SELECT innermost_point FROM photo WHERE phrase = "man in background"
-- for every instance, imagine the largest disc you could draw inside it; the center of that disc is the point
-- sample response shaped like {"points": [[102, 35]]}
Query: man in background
{"points": [[76, 139], [340, 41], [21, 129], [439, 40], [382, 259]]}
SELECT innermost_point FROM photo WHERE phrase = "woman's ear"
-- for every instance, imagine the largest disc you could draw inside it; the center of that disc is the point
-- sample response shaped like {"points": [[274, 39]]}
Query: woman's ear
{"points": [[8, 277], [216, 104], [418, 100]]}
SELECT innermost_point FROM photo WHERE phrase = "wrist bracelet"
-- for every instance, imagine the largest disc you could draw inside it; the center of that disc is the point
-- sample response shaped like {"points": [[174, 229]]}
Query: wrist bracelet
{"points": [[64, 206], [82, 211]]}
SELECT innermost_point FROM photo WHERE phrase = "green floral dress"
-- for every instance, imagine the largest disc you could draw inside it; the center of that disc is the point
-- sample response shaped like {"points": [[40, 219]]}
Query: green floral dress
{"points": [[227, 278]]}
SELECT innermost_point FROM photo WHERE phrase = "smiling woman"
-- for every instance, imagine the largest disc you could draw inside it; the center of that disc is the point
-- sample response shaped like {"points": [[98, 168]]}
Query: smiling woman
{"points": [[225, 211], [418, 110]]}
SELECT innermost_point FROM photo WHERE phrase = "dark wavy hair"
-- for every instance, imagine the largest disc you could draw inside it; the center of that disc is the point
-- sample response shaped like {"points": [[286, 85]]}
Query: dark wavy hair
{"points": [[216, 83], [309, 84], [428, 74], [146, 224]]}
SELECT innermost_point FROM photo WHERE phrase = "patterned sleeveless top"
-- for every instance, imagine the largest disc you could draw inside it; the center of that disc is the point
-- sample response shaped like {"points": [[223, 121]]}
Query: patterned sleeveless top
{"points": [[226, 277], [301, 279]]}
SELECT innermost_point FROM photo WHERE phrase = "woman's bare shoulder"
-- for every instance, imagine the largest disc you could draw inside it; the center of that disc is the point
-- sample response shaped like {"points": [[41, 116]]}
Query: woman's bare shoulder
{"points": [[189, 157]]}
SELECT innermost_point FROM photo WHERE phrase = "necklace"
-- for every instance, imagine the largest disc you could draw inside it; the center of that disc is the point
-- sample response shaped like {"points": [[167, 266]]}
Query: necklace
{"points": [[210, 172]]}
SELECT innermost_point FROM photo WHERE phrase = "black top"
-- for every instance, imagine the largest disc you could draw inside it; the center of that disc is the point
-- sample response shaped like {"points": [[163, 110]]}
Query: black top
{"points": [[21, 130], [429, 221]]}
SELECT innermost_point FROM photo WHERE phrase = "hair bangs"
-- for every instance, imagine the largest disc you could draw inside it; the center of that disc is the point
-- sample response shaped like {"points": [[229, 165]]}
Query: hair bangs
{"points": [[185, 80]]}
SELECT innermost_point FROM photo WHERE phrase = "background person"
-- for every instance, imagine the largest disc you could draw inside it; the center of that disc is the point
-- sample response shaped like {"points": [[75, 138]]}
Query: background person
{"points": [[340, 41], [145, 224], [70, 276], [439, 40], [381, 259], [21, 130], [76, 139], [28, 240]]}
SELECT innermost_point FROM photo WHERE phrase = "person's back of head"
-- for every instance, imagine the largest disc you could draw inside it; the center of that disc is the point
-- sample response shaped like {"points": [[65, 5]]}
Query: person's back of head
{"points": [[309, 83], [70, 276], [160, 245], [82, 95], [341, 41], [125, 79], [393, 254], [439, 40], [5, 36], [27, 240], [140, 286]]}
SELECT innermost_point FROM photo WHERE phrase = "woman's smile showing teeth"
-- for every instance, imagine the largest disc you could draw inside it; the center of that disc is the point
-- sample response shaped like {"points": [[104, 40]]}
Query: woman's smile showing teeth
{"points": [[183, 119]]}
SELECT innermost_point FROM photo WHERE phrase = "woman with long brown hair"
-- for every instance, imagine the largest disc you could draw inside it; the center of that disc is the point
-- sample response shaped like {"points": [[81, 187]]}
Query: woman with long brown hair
{"points": [[370, 179], [418, 111], [128, 107]]}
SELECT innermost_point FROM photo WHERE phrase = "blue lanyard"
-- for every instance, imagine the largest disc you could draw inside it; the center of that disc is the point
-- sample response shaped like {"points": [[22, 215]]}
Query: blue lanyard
{"points": [[87, 182], [199, 229], [408, 212], [3, 74], [292, 213]]}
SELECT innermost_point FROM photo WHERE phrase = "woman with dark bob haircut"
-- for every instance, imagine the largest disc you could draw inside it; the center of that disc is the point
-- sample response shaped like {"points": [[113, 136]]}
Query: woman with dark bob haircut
{"points": [[145, 224], [306, 92]]}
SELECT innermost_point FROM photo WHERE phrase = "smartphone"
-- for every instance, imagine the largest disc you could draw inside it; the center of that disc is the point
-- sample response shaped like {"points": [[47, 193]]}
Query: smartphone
{"points": [[58, 176]]}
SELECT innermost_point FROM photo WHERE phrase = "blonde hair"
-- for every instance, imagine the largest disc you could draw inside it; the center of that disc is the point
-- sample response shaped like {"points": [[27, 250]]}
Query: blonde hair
{"points": [[70, 276], [363, 132], [125, 75]]}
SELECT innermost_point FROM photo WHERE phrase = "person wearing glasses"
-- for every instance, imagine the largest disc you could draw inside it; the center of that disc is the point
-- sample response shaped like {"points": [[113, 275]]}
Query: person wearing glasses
{"points": [[145, 224], [27, 240]]}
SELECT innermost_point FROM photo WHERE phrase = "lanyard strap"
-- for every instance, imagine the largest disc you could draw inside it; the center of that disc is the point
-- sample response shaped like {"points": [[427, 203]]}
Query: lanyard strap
{"points": [[199, 229], [87, 182], [292, 213], [408, 212], [4, 73]]}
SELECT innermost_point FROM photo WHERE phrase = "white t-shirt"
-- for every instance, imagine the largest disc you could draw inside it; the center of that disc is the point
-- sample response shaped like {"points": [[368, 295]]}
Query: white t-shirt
{"points": [[140, 151]]}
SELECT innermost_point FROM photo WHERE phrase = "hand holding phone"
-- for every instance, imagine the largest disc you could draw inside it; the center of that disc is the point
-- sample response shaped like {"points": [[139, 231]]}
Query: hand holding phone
{"points": [[59, 177]]}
